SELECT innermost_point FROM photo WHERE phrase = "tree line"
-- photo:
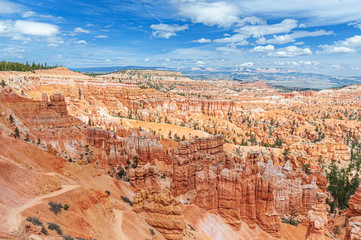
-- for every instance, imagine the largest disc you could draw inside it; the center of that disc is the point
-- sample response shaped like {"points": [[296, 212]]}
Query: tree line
{"points": [[16, 66]]}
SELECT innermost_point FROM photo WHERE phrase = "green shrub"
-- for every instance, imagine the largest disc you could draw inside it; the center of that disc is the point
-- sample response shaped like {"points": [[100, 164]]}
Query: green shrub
{"points": [[125, 199], [55, 227], [34, 220], [44, 231], [55, 207], [66, 206]]}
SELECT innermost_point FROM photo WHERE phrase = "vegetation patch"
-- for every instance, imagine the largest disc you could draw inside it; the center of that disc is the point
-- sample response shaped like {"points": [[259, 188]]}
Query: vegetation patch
{"points": [[55, 207], [125, 199]]}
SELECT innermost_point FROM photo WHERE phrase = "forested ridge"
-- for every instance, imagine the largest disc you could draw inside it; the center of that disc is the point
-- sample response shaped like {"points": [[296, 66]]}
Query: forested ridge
{"points": [[16, 66]]}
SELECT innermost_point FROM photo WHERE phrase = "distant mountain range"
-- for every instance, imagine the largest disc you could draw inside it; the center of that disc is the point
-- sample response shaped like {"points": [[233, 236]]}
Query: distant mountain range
{"points": [[112, 69], [290, 78]]}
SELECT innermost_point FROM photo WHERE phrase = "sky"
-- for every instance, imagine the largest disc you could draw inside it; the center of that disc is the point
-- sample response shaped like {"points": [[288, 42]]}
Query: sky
{"points": [[322, 36]]}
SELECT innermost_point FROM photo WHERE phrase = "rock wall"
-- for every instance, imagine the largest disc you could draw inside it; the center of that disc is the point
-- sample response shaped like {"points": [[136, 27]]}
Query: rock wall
{"points": [[354, 203], [162, 211], [317, 218], [252, 191]]}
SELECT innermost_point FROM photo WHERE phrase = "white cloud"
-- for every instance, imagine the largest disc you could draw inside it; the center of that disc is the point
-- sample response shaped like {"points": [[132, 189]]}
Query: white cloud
{"points": [[354, 41], [268, 48], [101, 36], [262, 30], [346, 46], [229, 50], [36, 28], [81, 42], [258, 31], [246, 64], [314, 13], [200, 63], [281, 39], [302, 25], [162, 30], [219, 13], [7, 7], [251, 20], [290, 51], [330, 49], [356, 24], [28, 14], [287, 38], [233, 39], [203, 40], [27, 31], [81, 30]]}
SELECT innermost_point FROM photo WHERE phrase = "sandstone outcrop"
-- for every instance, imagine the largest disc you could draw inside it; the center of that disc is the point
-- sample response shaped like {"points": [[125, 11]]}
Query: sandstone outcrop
{"points": [[353, 229], [317, 218], [162, 211], [354, 209]]}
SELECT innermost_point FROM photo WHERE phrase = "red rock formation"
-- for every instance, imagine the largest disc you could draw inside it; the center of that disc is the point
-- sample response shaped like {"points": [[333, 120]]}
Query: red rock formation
{"points": [[188, 160], [144, 178], [353, 230], [317, 218], [354, 203], [57, 103], [162, 212]]}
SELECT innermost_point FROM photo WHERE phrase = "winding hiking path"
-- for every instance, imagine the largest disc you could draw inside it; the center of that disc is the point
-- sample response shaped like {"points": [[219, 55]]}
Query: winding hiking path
{"points": [[12, 216]]}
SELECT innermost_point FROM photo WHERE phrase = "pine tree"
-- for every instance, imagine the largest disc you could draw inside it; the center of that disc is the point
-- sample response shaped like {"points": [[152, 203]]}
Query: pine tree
{"points": [[11, 119], [16, 133]]}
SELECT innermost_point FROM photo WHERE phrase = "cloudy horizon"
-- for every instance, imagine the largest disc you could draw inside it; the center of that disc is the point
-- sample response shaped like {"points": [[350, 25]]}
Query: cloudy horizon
{"points": [[319, 37]]}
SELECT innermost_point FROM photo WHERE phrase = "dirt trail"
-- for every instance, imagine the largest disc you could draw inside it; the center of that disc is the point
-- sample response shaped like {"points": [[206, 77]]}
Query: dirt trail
{"points": [[12, 216], [117, 226]]}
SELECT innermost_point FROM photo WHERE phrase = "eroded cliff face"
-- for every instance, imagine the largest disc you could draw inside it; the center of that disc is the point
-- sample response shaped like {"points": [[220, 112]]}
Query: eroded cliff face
{"points": [[353, 228], [354, 203], [162, 211], [251, 190], [138, 127], [317, 218]]}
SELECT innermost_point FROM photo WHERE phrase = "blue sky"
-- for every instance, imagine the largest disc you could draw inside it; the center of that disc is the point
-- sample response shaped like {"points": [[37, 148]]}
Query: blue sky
{"points": [[314, 36]]}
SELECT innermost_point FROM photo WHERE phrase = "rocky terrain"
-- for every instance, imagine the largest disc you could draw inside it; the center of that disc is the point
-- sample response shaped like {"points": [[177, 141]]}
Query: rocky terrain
{"points": [[145, 154]]}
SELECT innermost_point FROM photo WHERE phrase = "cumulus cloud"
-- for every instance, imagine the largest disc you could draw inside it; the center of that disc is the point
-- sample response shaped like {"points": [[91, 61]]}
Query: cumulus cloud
{"points": [[203, 40], [200, 63], [348, 45], [246, 64], [290, 51], [221, 13], [330, 49], [81, 30], [287, 38], [81, 42], [36, 28], [162, 30], [251, 20], [268, 48], [258, 31], [17, 29]]}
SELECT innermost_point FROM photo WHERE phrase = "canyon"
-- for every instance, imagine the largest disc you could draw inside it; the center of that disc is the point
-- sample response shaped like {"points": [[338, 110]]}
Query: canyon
{"points": [[150, 154]]}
